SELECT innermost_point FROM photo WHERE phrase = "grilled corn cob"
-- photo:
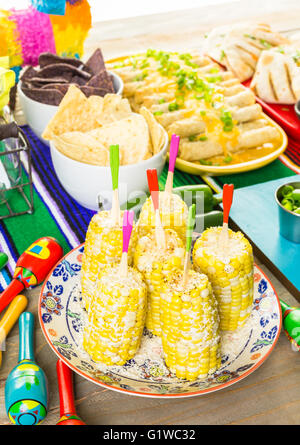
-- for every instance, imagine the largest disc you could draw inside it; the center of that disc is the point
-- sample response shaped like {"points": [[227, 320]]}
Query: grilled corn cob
{"points": [[190, 327], [116, 316], [157, 266], [173, 213], [103, 245], [230, 272]]}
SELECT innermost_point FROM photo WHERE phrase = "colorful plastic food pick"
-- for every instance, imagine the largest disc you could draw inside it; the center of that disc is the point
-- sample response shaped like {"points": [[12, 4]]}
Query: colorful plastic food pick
{"points": [[14, 310], [68, 415], [26, 395], [154, 190], [291, 323], [172, 161], [227, 202], [127, 229], [3, 260], [32, 268], [114, 167], [189, 236]]}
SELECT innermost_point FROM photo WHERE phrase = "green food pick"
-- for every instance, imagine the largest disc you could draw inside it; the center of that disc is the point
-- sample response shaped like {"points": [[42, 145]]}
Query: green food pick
{"points": [[3, 260], [189, 236], [114, 167]]}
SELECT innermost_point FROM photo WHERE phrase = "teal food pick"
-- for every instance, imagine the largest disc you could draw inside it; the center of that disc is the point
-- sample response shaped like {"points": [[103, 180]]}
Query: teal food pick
{"points": [[26, 394]]}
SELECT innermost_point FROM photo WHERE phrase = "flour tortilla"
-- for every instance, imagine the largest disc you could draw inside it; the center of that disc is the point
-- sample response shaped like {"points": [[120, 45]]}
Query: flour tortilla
{"points": [[277, 78]]}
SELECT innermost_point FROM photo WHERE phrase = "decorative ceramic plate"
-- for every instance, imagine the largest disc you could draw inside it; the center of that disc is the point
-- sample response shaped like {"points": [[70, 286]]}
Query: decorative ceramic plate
{"points": [[62, 318]]}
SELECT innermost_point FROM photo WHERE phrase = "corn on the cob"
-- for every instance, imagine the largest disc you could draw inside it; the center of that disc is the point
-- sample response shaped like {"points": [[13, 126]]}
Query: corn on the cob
{"points": [[230, 272], [190, 327], [116, 316], [157, 266], [173, 213], [103, 245]]}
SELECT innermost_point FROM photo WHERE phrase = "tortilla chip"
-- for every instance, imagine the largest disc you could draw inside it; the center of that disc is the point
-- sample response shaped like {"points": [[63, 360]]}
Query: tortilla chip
{"points": [[51, 59], [63, 70], [82, 147], [62, 87], [47, 80], [96, 62], [130, 133], [92, 91], [102, 80], [157, 133], [114, 108], [74, 114], [78, 80], [28, 73], [44, 96]]}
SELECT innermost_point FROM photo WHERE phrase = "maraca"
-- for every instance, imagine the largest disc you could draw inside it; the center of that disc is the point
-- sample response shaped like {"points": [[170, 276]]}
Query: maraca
{"points": [[26, 395], [68, 414], [14, 310], [291, 323], [32, 267]]}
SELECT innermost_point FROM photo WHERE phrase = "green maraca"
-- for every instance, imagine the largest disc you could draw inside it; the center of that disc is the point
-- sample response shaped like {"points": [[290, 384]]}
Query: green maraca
{"points": [[291, 323]]}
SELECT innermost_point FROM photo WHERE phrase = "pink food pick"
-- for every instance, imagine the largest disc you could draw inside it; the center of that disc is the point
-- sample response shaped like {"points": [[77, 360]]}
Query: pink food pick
{"points": [[127, 228], [173, 152]]}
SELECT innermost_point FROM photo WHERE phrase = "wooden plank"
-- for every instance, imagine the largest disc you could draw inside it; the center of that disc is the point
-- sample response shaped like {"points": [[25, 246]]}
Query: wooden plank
{"points": [[181, 30]]}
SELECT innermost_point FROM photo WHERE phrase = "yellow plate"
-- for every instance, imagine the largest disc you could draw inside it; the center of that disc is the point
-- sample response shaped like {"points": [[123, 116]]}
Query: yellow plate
{"points": [[214, 170], [198, 169]]}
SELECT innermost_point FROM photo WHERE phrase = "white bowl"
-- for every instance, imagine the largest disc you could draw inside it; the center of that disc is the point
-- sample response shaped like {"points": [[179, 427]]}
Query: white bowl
{"points": [[38, 115], [89, 184]]}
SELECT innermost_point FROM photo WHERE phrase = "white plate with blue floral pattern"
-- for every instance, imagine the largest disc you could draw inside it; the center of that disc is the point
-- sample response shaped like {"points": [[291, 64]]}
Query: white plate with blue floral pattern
{"points": [[61, 317]]}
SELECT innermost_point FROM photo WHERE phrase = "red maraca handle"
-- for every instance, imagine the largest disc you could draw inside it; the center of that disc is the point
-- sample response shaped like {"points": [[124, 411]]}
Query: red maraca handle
{"points": [[65, 388], [153, 187], [12, 290], [227, 201]]}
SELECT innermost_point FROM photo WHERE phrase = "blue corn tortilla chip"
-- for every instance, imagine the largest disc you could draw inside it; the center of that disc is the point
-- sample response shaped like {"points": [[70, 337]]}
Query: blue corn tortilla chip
{"points": [[96, 62], [44, 96], [50, 83]]}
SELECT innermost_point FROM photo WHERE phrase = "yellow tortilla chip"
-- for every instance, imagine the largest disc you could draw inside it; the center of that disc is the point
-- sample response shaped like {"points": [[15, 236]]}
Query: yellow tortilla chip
{"points": [[157, 133], [114, 109], [82, 147], [130, 133], [96, 103], [74, 113]]}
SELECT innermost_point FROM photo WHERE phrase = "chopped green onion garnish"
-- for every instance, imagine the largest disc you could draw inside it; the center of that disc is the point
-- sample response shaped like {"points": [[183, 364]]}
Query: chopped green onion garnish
{"points": [[204, 162], [173, 106], [227, 159]]}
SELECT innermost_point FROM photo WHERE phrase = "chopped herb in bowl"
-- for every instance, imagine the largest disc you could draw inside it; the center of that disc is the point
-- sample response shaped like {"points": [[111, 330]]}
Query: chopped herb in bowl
{"points": [[290, 198]]}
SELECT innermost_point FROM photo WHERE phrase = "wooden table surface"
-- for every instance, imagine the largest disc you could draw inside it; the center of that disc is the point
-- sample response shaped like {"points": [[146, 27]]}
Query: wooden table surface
{"points": [[271, 395]]}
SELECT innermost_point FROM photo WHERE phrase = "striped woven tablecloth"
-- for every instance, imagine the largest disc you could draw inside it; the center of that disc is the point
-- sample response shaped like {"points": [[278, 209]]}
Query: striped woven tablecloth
{"points": [[57, 214]]}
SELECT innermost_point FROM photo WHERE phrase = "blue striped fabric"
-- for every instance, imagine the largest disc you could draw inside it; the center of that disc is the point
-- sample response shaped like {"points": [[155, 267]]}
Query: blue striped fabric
{"points": [[77, 216]]}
